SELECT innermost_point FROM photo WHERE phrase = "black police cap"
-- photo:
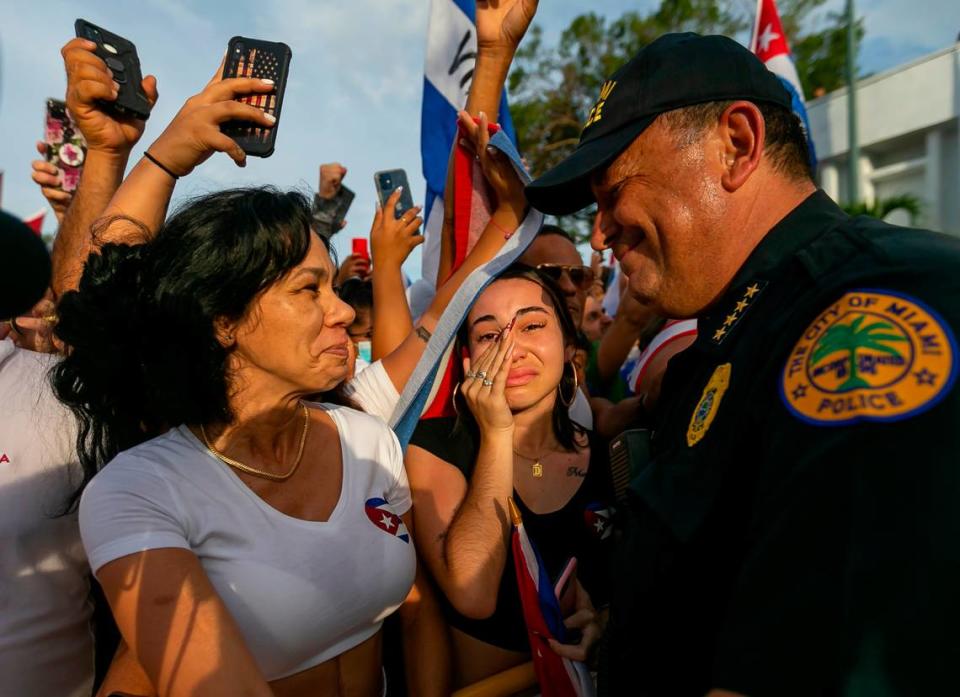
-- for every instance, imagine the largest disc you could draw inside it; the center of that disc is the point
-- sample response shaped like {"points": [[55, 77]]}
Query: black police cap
{"points": [[24, 267], [676, 70]]}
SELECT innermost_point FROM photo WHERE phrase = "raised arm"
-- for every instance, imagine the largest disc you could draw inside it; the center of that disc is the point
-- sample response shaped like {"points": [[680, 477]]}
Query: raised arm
{"points": [[509, 211], [109, 140], [191, 137], [392, 239], [500, 28]]}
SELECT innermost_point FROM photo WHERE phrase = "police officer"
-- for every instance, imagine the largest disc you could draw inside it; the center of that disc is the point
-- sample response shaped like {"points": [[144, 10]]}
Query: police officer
{"points": [[796, 530]]}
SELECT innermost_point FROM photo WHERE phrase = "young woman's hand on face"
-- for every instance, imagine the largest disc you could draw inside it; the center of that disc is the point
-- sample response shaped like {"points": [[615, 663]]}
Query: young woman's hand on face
{"points": [[484, 385]]}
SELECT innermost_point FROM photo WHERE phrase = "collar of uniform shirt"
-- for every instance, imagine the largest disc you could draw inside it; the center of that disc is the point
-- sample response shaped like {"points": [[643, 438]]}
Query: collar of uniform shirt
{"points": [[813, 217]]}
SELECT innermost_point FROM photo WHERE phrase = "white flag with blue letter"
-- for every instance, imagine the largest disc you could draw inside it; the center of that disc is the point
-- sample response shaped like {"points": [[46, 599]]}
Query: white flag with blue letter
{"points": [[451, 57]]}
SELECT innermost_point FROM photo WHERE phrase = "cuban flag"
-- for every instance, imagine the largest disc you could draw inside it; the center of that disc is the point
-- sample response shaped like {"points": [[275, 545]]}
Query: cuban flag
{"points": [[597, 518], [380, 514], [433, 378], [450, 59], [769, 43], [557, 676]]}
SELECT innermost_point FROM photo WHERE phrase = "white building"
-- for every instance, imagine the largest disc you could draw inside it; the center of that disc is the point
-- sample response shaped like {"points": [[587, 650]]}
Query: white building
{"points": [[908, 123]]}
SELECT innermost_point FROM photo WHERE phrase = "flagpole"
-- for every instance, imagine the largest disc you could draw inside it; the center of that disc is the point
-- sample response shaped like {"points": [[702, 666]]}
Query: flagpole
{"points": [[853, 166]]}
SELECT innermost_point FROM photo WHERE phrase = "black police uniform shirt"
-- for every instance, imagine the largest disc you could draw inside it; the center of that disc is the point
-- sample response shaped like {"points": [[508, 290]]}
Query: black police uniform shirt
{"points": [[796, 530], [580, 528]]}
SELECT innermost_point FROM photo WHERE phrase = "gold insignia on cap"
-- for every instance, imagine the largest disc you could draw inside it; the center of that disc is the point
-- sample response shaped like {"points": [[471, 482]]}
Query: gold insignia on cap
{"points": [[596, 113], [709, 402]]}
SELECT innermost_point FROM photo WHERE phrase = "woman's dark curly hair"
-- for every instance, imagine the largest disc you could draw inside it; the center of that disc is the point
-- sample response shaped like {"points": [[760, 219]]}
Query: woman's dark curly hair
{"points": [[142, 351], [568, 432]]}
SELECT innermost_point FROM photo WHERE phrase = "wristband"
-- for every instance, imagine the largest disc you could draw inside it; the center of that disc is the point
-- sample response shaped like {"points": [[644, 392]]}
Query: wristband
{"points": [[159, 164]]}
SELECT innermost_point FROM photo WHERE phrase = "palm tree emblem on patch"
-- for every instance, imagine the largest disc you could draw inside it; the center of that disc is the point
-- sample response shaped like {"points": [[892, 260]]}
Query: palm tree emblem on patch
{"points": [[868, 338], [872, 355]]}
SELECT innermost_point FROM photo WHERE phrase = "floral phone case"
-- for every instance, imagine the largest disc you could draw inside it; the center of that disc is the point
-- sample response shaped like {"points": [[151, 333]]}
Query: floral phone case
{"points": [[66, 148]]}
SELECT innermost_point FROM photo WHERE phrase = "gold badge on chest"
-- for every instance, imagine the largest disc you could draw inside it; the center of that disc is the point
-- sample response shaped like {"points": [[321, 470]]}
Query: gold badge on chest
{"points": [[708, 405]]}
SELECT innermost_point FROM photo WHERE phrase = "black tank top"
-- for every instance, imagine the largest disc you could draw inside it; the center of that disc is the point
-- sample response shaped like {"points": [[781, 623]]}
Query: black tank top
{"points": [[580, 529]]}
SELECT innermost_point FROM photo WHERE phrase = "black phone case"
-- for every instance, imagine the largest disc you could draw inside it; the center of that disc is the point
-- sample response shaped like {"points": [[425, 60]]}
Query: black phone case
{"points": [[261, 59], [125, 64]]}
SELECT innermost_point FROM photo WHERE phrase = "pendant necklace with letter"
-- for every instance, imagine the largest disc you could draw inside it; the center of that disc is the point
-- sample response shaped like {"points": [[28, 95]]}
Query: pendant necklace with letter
{"points": [[536, 469]]}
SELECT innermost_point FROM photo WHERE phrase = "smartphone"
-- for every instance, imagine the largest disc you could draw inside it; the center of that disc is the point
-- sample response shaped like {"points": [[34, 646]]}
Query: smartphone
{"points": [[121, 57], [66, 147], [360, 247], [329, 213], [386, 182], [261, 59]]}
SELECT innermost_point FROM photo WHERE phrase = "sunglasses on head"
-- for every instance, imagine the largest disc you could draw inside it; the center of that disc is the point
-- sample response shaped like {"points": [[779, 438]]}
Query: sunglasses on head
{"points": [[580, 276]]}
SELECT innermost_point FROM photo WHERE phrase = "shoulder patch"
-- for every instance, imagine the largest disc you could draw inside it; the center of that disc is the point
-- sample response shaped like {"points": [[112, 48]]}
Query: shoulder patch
{"points": [[709, 402], [874, 355]]}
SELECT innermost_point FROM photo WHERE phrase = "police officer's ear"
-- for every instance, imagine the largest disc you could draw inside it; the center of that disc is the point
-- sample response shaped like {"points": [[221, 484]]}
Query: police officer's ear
{"points": [[742, 135]]}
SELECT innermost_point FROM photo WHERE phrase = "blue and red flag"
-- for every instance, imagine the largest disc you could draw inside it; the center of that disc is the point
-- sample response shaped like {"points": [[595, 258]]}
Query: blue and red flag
{"points": [[557, 676], [769, 42]]}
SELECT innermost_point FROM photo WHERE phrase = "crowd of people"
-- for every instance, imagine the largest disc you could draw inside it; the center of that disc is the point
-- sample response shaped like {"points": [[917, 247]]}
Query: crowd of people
{"points": [[202, 493]]}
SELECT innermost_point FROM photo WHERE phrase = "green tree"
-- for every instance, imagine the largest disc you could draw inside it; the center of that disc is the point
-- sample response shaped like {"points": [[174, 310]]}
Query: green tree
{"points": [[881, 208], [552, 87], [852, 337]]}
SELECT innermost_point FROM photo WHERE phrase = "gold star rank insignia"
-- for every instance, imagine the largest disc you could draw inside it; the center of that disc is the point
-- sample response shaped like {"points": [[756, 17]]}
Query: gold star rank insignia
{"points": [[735, 311]]}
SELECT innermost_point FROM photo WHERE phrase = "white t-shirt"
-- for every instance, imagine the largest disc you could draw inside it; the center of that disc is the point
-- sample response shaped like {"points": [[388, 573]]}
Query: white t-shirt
{"points": [[301, 591], [373, 391], [46, 645]]}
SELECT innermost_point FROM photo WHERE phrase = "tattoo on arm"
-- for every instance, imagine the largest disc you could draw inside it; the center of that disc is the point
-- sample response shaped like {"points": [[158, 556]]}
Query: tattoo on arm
{"points": [[424, 334]]}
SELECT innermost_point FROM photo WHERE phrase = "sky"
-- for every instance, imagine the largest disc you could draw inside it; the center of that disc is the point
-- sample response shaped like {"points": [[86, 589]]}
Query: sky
{"points": [[355, 82]]}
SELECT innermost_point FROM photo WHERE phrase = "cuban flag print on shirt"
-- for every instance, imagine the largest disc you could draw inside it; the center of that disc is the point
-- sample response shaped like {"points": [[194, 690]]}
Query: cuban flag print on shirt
{"points": [[597, 518], [379, 513], [450, 60], [769, 43]]}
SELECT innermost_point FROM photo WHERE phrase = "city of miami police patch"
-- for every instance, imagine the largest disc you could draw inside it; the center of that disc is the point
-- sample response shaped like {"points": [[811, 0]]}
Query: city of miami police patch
{"points": [[709, 403], [874, 355]]}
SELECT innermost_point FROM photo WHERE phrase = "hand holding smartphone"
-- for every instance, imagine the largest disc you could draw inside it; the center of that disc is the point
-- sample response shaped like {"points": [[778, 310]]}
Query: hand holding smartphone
{"points": [[388, 181], [329, 213], [266, 60], [66, 148], [121, 57]]}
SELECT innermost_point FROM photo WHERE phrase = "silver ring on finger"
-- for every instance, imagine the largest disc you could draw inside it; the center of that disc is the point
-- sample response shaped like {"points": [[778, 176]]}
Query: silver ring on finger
{"points": [[470, 375], [487, 383], [480, 374]]}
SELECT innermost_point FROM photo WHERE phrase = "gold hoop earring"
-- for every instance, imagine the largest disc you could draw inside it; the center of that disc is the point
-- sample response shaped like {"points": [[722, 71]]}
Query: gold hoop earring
{"points": [[576, 386], [453, 399]]}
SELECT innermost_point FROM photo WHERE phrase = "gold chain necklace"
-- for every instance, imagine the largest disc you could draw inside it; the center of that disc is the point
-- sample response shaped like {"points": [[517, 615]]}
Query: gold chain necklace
{"points": [[536, 469], [260, 473]]}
